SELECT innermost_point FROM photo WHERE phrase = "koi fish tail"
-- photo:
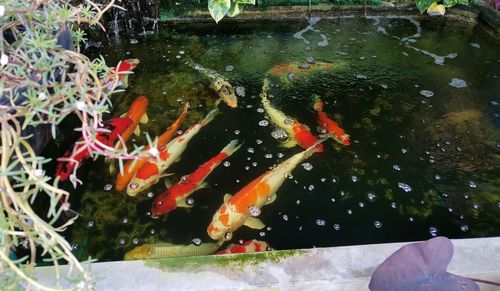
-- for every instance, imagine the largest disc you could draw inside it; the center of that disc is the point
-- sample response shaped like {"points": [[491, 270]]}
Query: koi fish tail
{"points": [[232, 147], [318, 103], [210, 116]]}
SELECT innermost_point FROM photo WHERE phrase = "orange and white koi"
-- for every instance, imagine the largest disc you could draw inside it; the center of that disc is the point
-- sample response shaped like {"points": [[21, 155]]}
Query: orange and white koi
{"points": [[132, 166], [121, 71], [77, 154], [219, 84], [137, 113], [151, 172], [332, 128], [245, 205], [251, 246], [298, 133], [176, 195]]}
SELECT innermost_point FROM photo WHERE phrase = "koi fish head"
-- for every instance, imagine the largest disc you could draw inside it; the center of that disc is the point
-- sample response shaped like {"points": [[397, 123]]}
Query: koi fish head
{"points": [[225, 91], [162, 206], [145, 177], [128, 65], [343, 139], [318, 103], [224, 222]]}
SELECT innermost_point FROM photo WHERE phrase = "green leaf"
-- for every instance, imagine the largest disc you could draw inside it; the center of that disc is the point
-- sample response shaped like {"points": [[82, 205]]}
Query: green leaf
{"points": [[235, 9], [251, 2], [449, 3], [218, 8], [422, 5]]}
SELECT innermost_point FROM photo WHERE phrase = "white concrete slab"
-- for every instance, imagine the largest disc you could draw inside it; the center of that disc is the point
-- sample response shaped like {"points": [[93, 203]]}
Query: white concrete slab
{"points": [[336, 268]]}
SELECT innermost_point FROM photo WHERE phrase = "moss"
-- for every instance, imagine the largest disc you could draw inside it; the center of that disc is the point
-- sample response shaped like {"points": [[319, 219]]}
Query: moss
{"points": [[227, 261]]}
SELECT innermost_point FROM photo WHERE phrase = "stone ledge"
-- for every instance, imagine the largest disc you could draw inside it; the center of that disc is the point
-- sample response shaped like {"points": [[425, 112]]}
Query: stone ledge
{"points": [[336, 268]]}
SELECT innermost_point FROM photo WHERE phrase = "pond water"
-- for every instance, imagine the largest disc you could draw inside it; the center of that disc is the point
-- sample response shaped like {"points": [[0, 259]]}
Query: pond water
{"points": [[419, 99]]}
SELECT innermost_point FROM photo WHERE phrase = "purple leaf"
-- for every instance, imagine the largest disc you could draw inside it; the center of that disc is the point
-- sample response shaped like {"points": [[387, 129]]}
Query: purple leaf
{"points": [[420, 266]]}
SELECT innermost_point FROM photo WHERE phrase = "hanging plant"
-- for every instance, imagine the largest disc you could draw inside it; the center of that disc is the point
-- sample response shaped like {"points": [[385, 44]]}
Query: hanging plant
{"points": [[220, 8]]}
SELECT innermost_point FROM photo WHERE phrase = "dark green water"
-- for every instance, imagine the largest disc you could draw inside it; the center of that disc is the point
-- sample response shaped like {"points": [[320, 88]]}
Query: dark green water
{"points": [[445, 147]]}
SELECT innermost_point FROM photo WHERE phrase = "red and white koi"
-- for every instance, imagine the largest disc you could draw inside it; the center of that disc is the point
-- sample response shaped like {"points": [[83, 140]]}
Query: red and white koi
{"points": [[245, 206], [78, 153], [151, 172], [332, 128], [176, 195], [251, 246], [120, 74], [298, 133]]}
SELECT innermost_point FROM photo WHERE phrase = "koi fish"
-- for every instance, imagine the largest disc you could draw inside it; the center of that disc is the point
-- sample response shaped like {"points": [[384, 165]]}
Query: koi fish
{"points": [[151, 172], [78, 153], [176, 195], [136, 113], [132, 166], [332, 128], [299, 133], [168, 250], [219, 84], [245, 205], [121, 71], [251, 246]]}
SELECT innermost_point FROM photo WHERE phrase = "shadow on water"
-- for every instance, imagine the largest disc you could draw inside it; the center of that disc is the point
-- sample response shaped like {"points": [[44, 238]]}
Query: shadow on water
{"points": [[418, 165]]}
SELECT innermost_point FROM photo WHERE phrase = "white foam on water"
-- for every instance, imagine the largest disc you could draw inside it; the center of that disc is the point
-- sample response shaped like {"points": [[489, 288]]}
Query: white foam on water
{"points": [[458, 83], [324, 42], [313, 21], [439, 60]]}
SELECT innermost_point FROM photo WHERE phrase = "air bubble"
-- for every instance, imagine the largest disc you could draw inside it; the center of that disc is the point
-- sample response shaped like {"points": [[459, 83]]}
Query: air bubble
{"points": [[349, 211], [108, 187], [150, 194], [259, 141], [75, 246], [404, 151], [260, 110], [393, 205], [411, 219], [336, 226], [354, 179], [121, 241], [377, 224], [396, 167], [472, 184], [227, 164], [333, 200], [437, 177], [297, 202], [405, 187], [125, 220], [254, 211], [90, 224], [280, 155], [371, 196], [307, 166], [279, 134], [268, 156], [320, 222], [196, 241], [251, 150], [285, 217], [184, 178], [152, 231], [426, 93], [135, 241], [476, 206], [190, 201], [310, 187], [254, 164], [361, 204], [229, 68], [237, 131], [264, 123]]}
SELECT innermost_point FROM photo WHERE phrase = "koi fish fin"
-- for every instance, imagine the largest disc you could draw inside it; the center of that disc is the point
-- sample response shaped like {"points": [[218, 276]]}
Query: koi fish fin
{"points": [[178, 159], [168, 183], [271, 198], [218, 102], [182, 203], [166, 175], [227, 197], [137, 131], [232, 147], [112, 168], [289, 144], [125, 81], [254, 223], [144, 118], [202, 185], [123, 115]]}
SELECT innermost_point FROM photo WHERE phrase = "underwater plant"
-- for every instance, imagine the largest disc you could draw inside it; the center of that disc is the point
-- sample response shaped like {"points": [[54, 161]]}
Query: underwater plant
{"points": [[44, 79]]}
